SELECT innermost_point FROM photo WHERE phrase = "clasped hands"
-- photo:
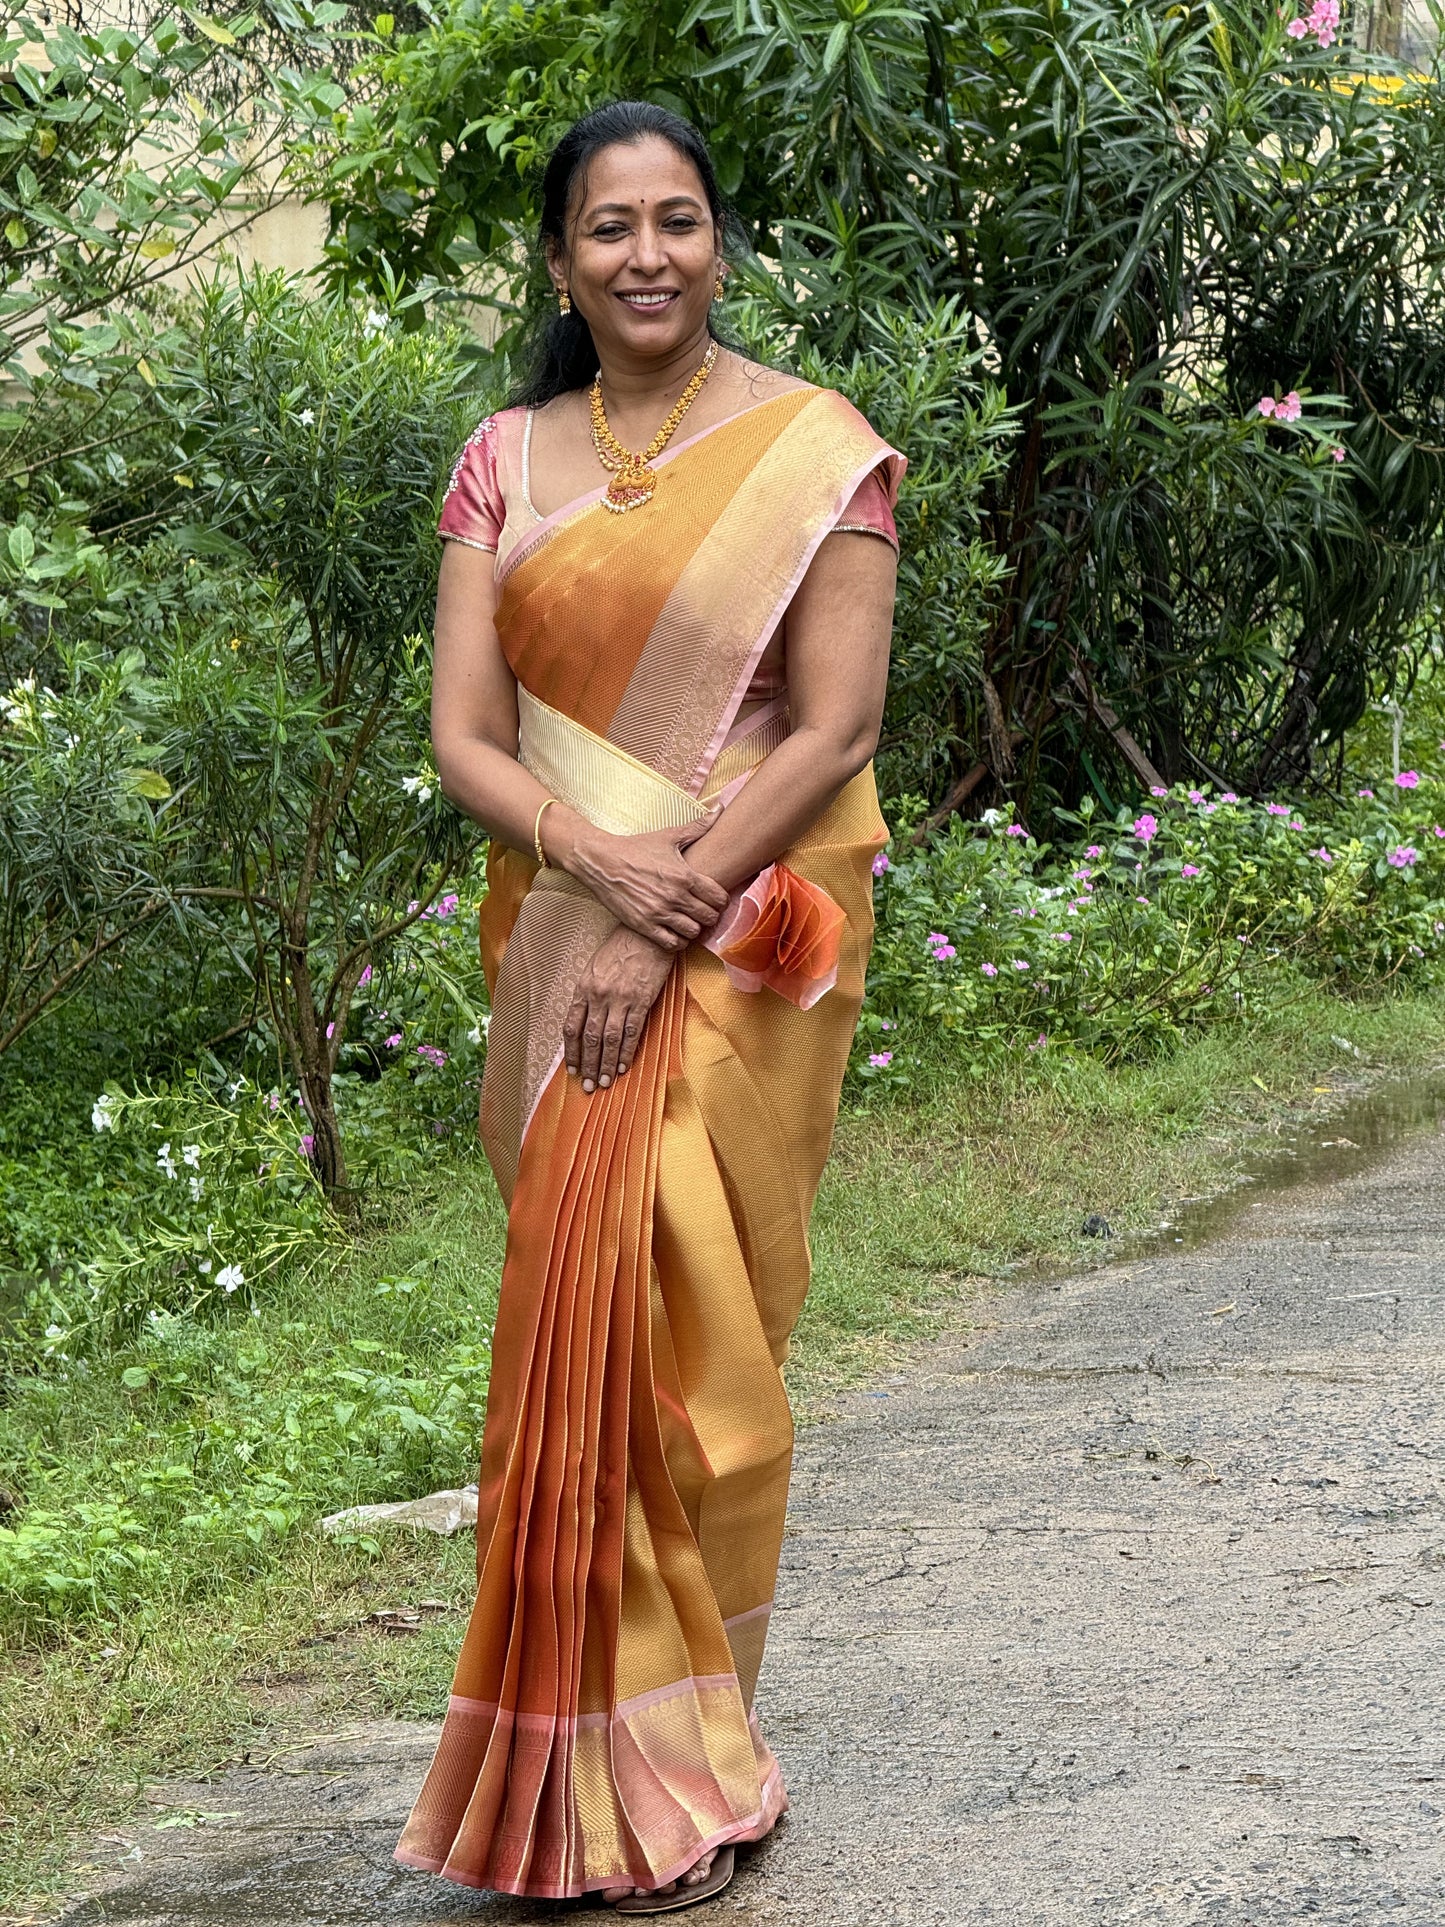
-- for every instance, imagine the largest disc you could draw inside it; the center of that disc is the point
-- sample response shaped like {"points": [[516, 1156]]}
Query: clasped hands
{"points": [[662, 905]]}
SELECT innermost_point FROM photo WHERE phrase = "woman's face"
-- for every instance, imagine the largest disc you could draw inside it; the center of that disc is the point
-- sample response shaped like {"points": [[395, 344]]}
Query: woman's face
{"points": [[642, 251]]}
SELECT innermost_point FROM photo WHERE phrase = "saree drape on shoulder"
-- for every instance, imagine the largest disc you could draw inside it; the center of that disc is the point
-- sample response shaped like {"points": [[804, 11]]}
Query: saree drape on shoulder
{"points": [[638, 1440]]}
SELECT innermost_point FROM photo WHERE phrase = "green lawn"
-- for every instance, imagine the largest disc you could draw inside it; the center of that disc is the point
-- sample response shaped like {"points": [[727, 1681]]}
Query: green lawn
{"points": [[231, 1642]]}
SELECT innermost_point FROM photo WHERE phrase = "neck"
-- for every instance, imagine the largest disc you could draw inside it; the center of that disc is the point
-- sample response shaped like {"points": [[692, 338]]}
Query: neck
{"points": [[634, 382]]}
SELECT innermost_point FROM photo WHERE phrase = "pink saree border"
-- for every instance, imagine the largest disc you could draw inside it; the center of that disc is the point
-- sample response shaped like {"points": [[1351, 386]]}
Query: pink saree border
{"points": [[752, 1826], [582, 1722], [899, 466]]}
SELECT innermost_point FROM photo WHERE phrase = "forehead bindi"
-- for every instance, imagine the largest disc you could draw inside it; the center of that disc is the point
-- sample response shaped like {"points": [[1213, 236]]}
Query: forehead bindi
{"points": [[643, 175]]}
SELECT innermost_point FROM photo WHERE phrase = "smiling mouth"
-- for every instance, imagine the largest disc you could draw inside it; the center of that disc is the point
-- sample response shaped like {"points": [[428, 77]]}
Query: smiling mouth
{"points": [[650, 302]]}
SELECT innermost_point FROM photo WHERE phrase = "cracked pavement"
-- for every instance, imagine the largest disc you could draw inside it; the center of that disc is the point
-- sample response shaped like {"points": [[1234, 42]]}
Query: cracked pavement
{"points": [[1124, 1605]]}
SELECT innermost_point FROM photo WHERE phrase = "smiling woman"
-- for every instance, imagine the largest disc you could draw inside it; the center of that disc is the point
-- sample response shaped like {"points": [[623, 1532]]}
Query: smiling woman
{"points": [[661, 653]]}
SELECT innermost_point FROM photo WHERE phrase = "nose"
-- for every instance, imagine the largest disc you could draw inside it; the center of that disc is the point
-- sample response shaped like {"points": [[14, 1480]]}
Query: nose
{"points": [[649, 250]]}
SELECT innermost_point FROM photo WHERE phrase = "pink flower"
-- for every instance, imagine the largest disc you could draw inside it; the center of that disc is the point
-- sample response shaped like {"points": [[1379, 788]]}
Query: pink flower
{"points": [[881, 865], [331, 1030], [887, 1023], [1408, 779], [1277, 809], [1337, 453], [433, 1056], [989, 970], [1145, 827], [1189, 870], [1040, 1042], [1288, 410], [1439, 831], [1020, 964], [1095, 850], [1015, 829], [447, 906], [945, 953], [1296, 823], [881, 1059], [393, 1040], [1266, 403], [1143, 900], [364, 979], [1157, 789], [1229, 797], [413, 907], [308, 1145], [1063, 936], [1369, 795], [1196, 796], [1403, 858], [937, 936], [1323, 854], [1297, 29]]}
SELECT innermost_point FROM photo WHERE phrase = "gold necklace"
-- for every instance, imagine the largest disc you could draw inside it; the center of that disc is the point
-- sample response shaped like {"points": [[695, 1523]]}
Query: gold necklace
{"points": [[633, 481]]}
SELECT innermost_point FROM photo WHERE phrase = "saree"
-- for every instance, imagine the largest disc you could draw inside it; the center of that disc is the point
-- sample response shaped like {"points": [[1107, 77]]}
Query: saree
{"points": [[637, 1445]]}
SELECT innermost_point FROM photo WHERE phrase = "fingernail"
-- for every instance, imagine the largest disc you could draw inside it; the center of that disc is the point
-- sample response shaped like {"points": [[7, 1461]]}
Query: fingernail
{"points": [[588, 1085], [604, 1082]]}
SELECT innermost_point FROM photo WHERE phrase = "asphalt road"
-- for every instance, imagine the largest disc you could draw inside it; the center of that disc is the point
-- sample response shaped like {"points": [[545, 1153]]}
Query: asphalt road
{"points": [[1125, 1605]]}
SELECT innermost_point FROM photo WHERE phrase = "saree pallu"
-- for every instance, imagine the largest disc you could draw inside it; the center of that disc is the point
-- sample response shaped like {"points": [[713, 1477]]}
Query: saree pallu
{"points": [[638, 1440]]}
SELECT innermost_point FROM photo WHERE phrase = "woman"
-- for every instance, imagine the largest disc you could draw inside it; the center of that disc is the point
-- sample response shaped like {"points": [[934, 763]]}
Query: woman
{"points": [[661, 649]]}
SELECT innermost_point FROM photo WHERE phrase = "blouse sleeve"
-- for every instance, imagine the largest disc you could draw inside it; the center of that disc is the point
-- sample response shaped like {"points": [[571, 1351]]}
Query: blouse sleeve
{"points": [[870, 512], [473, 512]]}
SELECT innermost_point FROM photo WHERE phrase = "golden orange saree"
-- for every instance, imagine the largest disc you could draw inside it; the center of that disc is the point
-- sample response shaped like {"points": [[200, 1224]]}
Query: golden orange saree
{"points": [[638, 1441]]}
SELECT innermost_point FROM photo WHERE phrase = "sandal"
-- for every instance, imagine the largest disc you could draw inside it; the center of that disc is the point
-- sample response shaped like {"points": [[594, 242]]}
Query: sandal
{"points": [[719, 1875]]}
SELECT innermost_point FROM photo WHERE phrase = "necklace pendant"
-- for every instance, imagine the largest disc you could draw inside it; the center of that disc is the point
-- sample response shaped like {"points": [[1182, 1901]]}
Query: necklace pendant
{"points": [[630, 488]]}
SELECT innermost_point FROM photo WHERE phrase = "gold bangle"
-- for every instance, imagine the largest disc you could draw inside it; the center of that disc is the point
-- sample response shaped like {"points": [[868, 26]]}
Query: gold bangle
{"points": [[537, 833]]}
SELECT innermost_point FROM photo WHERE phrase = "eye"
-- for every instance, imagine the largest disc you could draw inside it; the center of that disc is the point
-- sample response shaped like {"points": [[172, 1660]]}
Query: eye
{"points": [[608, 231]]}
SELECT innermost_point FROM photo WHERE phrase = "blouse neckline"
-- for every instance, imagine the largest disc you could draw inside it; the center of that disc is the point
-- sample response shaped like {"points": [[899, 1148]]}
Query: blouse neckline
{"points": [[665, 457]]}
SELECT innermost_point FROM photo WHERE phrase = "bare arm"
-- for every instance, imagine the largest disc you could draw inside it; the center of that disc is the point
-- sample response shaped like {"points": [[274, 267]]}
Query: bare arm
{"points": [[643, 880], [838, 631]]}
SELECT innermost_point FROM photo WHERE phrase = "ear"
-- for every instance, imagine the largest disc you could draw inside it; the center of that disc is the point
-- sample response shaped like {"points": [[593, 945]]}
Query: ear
{"points": [[556, 266]]}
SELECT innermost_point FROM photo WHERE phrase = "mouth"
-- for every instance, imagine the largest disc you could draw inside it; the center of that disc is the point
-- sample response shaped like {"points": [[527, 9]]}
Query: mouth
{"points": [[648, 300]]}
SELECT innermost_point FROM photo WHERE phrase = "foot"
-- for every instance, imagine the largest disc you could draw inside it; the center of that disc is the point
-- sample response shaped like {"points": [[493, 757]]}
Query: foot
{"points": [[695, 1875]]}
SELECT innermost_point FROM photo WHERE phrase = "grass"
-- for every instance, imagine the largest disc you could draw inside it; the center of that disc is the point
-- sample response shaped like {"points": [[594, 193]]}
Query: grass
{"points": [[233, 1644]]}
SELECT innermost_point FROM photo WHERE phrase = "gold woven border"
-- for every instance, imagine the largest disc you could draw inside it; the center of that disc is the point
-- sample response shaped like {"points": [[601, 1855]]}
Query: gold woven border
{"points": [[594, 777]]}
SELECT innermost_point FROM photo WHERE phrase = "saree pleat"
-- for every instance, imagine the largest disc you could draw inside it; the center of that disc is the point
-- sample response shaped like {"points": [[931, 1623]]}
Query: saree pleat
{"points": [[635, 1461]]}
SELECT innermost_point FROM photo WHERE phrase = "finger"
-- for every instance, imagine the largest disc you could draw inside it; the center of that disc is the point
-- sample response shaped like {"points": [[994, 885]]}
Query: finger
{"points": [[690, 832], [592, 1044], [572, 1034], [707, 891], [611, 1044], [664, 936], [687, 927], [632, 1028]]}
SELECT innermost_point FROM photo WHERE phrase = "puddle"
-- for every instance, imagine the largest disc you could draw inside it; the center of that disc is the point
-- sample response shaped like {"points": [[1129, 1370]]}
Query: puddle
{"points": [[1347, 1138]]}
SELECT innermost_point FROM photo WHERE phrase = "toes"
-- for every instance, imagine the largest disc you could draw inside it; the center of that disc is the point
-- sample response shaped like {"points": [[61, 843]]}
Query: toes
{"points": [[696, 1874]]}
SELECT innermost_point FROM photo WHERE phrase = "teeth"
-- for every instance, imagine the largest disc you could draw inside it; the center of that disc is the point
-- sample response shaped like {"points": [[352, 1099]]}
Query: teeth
{"points": [[646, 300]]}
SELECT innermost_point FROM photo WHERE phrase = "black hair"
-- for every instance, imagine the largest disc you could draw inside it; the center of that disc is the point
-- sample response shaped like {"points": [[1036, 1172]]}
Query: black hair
{"points": [[557, 348]]}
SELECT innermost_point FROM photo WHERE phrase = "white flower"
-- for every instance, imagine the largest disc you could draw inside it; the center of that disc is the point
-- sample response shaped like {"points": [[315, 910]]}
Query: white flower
{"points": [[306, 417], [991, 817], [375, 323], [55, 1331], [164, 1161], [102, 1113], [198, 1185], [203, 1265], [235, 1088], [192, 1155], [418, 787], [229, 1276], [480, 1028]]}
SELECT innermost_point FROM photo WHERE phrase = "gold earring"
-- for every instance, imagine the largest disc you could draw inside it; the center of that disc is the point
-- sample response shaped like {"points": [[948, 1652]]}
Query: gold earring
{"points": [[564, 301], [718, 290]]}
